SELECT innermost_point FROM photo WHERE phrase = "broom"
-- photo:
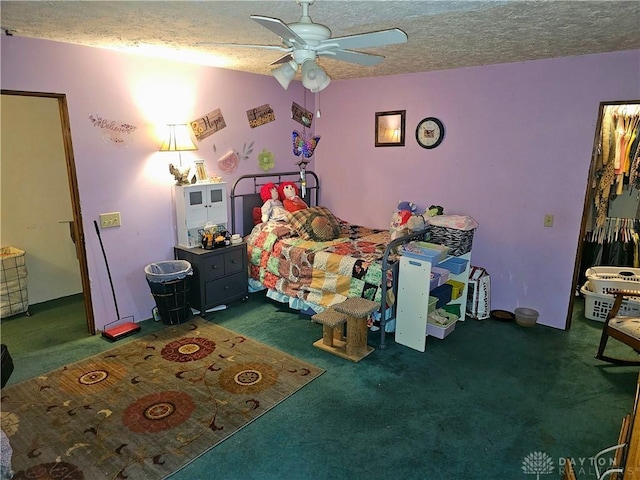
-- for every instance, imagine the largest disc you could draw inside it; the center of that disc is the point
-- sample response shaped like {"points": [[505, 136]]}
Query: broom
{"points": [[124, 329]]}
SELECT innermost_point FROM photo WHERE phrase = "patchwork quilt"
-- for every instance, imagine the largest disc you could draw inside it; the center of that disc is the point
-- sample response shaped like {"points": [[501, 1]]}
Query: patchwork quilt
{"points": [[321, 273]]}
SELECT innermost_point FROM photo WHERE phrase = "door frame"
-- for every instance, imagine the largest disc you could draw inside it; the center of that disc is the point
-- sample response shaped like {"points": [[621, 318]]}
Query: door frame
{"points": [[588, 201], [76, 229]]}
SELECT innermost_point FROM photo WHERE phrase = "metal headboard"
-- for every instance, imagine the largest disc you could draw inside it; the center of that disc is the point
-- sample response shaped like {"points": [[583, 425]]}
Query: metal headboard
{"points": [[247, 188]]}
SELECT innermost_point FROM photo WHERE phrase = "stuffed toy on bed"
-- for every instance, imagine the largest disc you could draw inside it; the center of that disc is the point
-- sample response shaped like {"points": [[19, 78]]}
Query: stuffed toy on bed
{"points": [[399, 219], [272, 208], [289, 197]]}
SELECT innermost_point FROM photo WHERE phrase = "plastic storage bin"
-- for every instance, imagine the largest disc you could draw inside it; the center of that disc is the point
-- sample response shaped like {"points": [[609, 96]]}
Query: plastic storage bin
{"points": [[418, 251], [14, 297], [455, 265], [434, 281], [432, 303], [443, 275], [456, 288], [169, 284], [443, 294], [441, 331]]}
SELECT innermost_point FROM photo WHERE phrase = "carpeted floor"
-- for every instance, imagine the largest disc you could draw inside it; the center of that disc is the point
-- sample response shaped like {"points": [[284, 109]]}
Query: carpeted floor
{"points": [[472, 406]]}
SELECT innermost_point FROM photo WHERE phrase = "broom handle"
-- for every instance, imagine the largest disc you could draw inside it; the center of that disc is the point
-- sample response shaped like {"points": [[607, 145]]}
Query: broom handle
{"points": [[113, 292]]}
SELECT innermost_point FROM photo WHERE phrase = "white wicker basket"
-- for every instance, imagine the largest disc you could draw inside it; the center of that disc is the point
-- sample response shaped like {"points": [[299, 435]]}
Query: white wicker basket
{"points": [[606, 280], [597, 306]]}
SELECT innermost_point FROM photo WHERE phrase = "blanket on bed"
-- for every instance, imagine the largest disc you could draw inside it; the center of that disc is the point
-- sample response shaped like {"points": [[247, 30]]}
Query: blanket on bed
{"points": [[321, 273]]}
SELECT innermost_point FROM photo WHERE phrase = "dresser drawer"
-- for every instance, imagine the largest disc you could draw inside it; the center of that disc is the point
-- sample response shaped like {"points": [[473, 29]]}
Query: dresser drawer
{"points": [[212, 267], [233, 261], [225, 289]]}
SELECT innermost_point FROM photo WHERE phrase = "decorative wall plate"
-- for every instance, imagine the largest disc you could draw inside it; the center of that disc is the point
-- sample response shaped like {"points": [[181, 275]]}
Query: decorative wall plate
{"points": [[430, 132]]}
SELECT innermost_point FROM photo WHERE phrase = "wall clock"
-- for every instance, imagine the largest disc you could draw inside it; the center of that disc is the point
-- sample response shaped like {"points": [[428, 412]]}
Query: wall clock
{"points": [[430, 132]]}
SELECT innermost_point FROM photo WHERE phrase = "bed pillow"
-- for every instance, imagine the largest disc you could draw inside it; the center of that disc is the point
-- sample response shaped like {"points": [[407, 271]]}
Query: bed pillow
{"points": [[257, 215], [315, 223]]}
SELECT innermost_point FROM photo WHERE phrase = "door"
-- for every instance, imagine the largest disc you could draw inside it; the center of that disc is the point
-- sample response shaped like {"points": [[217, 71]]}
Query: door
{"points": [[40, 205], [623, 205]]}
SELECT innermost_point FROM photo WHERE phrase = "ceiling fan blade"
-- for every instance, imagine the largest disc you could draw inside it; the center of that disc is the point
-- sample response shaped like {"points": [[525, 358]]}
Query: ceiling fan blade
{"points": [[366, 59], [367, 40], [242, 45], [281, 29], [283, 59]]}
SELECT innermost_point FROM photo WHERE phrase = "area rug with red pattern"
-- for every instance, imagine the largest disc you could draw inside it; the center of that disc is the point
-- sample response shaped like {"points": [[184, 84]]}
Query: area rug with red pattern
{"points": [[146, 408]]}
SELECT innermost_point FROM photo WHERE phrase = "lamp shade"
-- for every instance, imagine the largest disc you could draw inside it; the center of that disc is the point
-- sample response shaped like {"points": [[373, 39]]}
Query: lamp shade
{"points": [[178, 139], [285, 73], [314, 77]]}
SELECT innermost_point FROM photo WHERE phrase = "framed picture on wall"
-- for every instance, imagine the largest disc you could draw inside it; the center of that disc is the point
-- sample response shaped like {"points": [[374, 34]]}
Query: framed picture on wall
{"points": [[390, 128]]}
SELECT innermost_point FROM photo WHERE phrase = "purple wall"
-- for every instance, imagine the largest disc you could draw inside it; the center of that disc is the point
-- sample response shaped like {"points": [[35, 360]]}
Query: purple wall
{"points": [[135, 180], [518, 146]]}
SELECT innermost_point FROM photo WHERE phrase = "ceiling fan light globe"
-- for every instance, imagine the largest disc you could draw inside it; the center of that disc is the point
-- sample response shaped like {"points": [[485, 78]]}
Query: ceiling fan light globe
{"points": [[285, 73], [314, 77]]}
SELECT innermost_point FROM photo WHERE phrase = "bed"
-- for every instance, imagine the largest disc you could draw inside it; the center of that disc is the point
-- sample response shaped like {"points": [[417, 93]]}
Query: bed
{"points": [[308, 273]]}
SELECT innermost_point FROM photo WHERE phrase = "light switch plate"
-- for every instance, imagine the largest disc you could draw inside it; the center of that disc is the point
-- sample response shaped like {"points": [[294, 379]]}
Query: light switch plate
{"points": [[108, 220], [548, 220]]}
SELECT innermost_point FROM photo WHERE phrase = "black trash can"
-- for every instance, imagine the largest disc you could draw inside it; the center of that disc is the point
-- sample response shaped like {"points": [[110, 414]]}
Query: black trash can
{"points": [[169, 283]]}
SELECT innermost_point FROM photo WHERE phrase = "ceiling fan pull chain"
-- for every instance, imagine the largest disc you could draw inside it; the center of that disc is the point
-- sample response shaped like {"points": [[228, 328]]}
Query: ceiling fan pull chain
{"points": [[318, 105]]}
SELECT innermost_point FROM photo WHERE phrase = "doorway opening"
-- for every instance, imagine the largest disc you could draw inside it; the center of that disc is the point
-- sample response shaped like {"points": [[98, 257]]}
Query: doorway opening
{"points": [[611, 213], [38, 168]]}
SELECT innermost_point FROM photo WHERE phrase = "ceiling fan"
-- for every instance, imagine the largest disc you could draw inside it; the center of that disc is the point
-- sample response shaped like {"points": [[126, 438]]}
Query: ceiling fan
{"points": [[304, 40]]}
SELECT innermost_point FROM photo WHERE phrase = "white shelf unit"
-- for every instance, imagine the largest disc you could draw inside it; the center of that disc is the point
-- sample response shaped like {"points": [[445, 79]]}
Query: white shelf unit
{"points": [[413, 299], [196, 205]]}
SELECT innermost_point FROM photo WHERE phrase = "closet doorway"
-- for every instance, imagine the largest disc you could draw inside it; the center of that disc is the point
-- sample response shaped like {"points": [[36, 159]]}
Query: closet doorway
{"points": [[40, 202], [611, 213]]}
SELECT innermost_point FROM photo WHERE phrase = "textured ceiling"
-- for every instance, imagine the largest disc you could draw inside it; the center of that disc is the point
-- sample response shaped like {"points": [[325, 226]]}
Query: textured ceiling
{"points": [[442, 34]]}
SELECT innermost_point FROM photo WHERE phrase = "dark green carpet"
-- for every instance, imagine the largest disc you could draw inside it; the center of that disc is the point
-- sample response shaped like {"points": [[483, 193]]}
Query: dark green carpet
{"points": [[472, 406]]}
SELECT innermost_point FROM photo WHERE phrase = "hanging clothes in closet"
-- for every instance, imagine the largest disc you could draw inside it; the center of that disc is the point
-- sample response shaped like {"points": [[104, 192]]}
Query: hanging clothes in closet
{"points": [[618, 157], [611, 237]]}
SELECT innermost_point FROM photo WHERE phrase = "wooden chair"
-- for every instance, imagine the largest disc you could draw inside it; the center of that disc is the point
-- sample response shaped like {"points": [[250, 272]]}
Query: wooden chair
{"points": [[625, 329], [615, 468]]}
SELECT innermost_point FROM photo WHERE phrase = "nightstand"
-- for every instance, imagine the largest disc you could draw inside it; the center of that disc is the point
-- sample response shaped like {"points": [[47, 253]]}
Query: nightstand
{"points": [[220, 275]]}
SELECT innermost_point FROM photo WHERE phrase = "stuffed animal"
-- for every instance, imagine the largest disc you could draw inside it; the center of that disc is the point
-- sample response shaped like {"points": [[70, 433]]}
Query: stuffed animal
{"points": [[406, 221], [397, 225], [289, 197], [399, 219], [272, 208], [416, 223], [407, 206], [434, 210]]}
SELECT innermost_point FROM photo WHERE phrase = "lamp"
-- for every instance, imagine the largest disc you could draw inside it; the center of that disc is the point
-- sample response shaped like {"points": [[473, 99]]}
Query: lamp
{"points": [[285, 73], [314, 77], [178, 140]]}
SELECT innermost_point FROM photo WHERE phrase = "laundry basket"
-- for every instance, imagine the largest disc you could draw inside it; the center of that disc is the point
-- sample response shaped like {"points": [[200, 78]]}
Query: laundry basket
{"points": [[169, 284], [13, 282]]}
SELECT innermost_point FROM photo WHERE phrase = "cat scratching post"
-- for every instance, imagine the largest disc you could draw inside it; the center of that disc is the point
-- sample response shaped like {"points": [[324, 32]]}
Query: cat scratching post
{"points": [[355, 310]]}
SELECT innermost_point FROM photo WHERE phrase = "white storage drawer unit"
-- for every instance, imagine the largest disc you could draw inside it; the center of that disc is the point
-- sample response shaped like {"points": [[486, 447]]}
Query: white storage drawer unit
{"points": [[412, 325]]}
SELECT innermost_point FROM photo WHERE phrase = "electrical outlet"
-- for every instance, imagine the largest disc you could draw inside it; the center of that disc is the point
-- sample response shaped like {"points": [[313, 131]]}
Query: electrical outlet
{"points": [[108, 220], [548, 220]]}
